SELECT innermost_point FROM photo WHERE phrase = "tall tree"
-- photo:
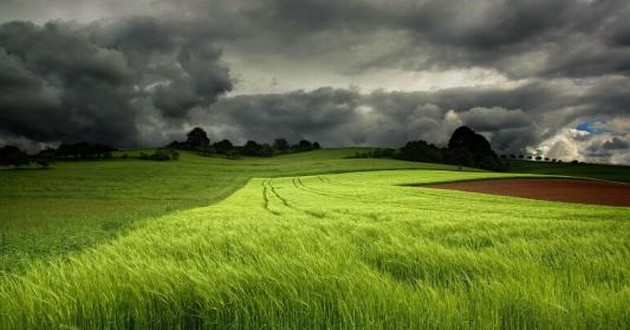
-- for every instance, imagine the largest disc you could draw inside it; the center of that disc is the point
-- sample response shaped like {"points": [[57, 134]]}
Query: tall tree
{"points": [[197, 139], [468, 148]]}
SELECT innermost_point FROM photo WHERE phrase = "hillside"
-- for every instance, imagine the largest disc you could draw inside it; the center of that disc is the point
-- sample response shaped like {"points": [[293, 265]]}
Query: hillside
{"points": [[74, 205], [595, 171], [354, 250]]}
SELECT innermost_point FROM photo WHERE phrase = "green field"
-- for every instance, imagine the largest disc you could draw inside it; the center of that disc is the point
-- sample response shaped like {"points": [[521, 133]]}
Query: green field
{"points": [[595, 171], [49, 213], [307, 240]]}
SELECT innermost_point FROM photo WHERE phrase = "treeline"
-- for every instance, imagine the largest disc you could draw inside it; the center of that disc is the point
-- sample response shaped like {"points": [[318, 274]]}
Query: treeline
{"points": [[538, 158], [197, 141], [465, 148], [13, 156]]}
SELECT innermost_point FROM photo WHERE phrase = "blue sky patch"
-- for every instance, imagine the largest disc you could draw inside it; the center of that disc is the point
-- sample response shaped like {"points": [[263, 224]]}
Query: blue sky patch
{"points": [[596, 126]]}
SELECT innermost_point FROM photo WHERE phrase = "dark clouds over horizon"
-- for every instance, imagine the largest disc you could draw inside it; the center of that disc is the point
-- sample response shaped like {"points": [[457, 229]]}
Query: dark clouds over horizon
{"points": [[551, 77]]}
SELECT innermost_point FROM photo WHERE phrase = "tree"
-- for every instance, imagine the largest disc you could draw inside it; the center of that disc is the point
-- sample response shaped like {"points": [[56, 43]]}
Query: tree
{"points": [[280, 145], [84, 150], [222, 147], [251, 148], [13, 156], [467, 146], [421, 151], [265, 151], [45, 158], [305, 145], [197, 139], [316, 145]]}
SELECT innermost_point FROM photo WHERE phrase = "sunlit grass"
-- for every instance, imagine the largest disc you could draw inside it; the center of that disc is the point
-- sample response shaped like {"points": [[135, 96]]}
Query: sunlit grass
{"points": [[350, 250], [50, 213]]}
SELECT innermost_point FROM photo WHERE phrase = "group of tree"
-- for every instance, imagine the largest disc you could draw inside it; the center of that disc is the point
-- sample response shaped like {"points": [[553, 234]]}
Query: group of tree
{"points": [[13, 156], [197, 140], [161, 155], [83, 150], [536, 158], [465, 148]]}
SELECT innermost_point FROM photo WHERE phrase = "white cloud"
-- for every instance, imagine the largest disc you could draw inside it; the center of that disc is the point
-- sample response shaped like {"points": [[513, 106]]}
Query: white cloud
{"points": [[572, 144]]}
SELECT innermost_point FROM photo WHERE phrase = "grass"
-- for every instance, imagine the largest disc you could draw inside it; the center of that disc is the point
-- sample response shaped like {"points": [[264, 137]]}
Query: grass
{"points": [[354, 250], [45, 214], [595, 171]]}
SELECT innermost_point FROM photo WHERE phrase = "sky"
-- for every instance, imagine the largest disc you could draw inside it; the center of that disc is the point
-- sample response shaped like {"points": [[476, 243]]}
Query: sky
{"points": [[541, 77]]}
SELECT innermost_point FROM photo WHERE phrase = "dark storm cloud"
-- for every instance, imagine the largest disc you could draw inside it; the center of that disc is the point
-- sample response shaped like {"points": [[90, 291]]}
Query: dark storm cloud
{"points": [[564, 38], [294, 115], [57, 85], [68, 82], [148, 78], [338, 117], [484, 26], [615, 144]]}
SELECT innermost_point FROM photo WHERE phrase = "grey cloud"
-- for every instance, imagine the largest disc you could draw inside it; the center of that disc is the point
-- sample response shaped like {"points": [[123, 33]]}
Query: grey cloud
{"points": [[615, 144], [519, 38], [73, 88], [293, 115], [69, 82], [338, 117], [490, 119], [147, 78], [484, 26]]}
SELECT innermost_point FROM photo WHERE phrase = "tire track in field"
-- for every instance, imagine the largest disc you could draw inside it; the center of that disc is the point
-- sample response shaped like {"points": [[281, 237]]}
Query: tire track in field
{"points": [[288, 204], [266, 199], [297, 183]]}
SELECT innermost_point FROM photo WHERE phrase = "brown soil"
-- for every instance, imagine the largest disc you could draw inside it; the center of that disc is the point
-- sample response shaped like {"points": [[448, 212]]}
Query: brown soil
{"points": [[573, 191]]}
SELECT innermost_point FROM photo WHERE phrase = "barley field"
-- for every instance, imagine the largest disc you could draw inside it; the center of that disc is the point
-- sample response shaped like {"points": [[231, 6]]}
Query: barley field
{"points": [[361, 249]]}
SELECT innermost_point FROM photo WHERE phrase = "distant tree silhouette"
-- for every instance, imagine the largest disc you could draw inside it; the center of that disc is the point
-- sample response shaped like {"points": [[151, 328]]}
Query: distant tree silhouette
{"points": [[222, 147], [13, 156], [421, 151], [265, 151], [467, 148], [84, 150], [281, 145], [304, 145], [316, 145], [251, 148], [197, 139], [45, 158], [161, 155]]}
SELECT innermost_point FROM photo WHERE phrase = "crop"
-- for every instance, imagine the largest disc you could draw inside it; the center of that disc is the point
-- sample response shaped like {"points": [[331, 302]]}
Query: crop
{"points": [[46, 214], [354, 250]]}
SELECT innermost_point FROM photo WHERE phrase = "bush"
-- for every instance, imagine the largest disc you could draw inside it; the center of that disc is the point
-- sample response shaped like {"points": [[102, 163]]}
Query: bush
{"points": [[161, 155]]}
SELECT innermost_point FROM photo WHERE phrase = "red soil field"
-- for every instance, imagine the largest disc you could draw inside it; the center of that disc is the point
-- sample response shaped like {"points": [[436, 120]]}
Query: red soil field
{"points": [[563, 190]]}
